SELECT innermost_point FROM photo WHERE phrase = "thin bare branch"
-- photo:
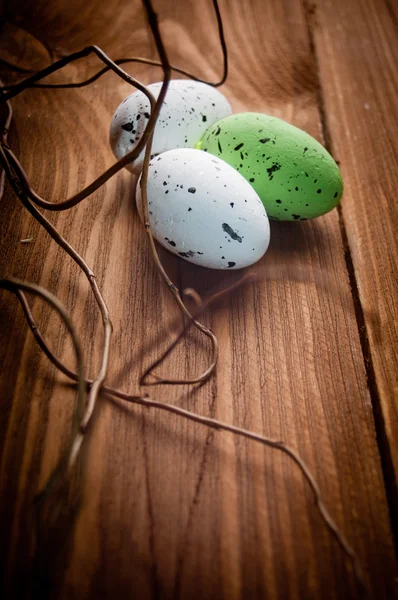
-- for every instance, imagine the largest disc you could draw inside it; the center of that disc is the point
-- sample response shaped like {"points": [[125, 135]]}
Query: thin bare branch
{"points": [[153, 22], [62, 62], [246, 279], [16, 68], [18, 287], [60, 240], [115, 168], [6, 119], [192, 320], [265, 441], [146, 61], [191, 293], [220, 426]]}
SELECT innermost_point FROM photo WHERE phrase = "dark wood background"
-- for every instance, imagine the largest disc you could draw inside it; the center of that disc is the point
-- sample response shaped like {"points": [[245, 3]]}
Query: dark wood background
{"points": [[308, 353]]}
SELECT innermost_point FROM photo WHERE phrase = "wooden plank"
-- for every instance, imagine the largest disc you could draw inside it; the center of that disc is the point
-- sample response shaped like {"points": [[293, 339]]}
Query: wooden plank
{"points": [[170, 509], [358, 55]]}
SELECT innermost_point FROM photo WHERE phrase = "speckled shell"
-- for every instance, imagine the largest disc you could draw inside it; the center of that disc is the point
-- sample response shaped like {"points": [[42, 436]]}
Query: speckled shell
{"points": [[189, 108], [295, 177], [203, 210]]}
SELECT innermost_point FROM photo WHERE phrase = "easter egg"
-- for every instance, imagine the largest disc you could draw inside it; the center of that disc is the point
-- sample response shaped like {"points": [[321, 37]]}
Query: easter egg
{"points": [[294, 175], [202, 209], [189, 108]]}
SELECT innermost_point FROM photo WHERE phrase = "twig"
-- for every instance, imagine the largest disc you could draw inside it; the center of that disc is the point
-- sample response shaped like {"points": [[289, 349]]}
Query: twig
{"points": [[111, 65], [191, 293], [24, 191], [115, 168], [18, 287], [249, 277], [214, 424], [153, 23], [16, 68], [4, 135], [65, 60], [191, 320], [23, 188], [60, 240], [266, 441], [146, 61]]}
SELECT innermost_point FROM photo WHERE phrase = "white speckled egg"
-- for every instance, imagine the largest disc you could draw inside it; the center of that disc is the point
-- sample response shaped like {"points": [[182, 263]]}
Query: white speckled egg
{"points": [[188, 110], [203, 210]]}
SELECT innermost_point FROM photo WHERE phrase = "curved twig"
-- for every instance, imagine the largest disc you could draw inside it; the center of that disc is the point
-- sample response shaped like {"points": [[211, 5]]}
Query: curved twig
{"points": [[192, 320], [153, 22], [23, 189], [18, 287], [214, 424], [146, 61], [265, 441], [65, 60], [60, 240], [249, 277], [16, 68], [4, 137], [191, 293], [120, 164]]}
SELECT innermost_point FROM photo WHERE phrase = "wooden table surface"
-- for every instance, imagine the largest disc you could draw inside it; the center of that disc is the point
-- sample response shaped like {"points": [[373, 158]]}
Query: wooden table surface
{"points": [[308, 353]]}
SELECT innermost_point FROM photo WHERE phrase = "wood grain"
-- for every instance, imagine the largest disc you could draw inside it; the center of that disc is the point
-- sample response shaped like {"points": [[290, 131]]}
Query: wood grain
{"points": [[358, 51], [171, 510]]}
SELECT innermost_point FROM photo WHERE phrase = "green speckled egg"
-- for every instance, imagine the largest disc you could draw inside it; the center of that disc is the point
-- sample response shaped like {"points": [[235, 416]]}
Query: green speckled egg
{"points": [[294, 175]]}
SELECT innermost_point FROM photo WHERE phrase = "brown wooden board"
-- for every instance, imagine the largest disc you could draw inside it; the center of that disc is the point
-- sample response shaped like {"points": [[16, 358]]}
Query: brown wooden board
{"points": [[357, 49], [169, 508]]}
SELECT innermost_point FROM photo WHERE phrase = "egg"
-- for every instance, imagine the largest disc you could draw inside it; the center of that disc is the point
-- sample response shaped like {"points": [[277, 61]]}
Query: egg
{"points": [[202, 209], [189, 108], [294, 175]]}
